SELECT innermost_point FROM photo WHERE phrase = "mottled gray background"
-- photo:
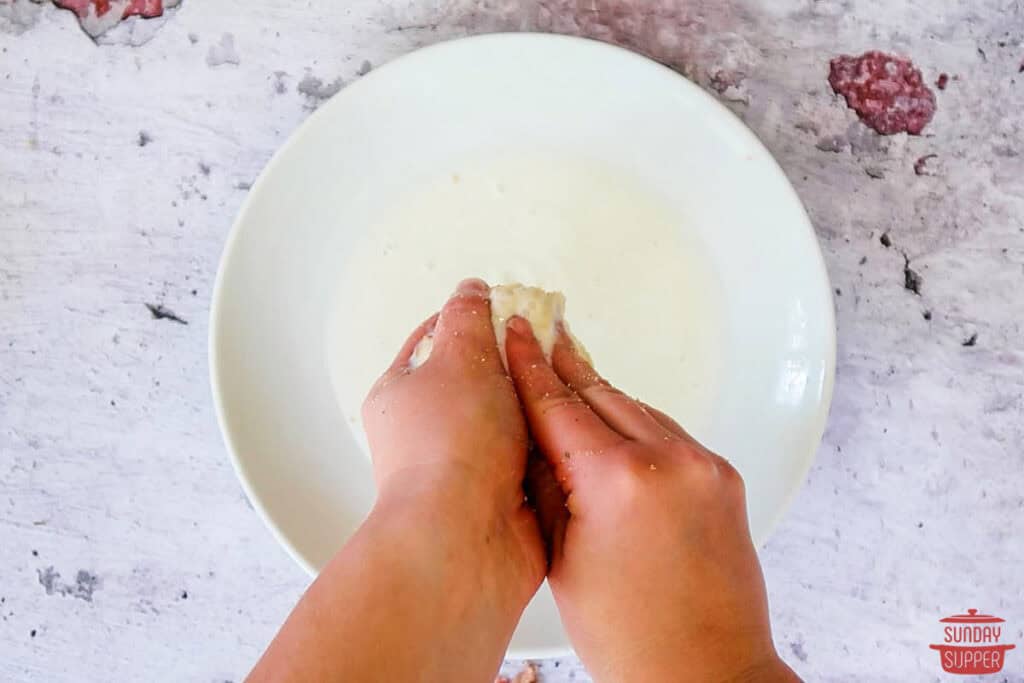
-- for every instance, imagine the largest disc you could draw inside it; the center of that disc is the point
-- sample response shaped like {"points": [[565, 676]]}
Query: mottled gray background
{"points": [[127, 550]]}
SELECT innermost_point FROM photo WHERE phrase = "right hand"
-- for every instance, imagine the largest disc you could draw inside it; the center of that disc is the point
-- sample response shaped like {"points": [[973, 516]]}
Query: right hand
{"points": [[652, 565]]}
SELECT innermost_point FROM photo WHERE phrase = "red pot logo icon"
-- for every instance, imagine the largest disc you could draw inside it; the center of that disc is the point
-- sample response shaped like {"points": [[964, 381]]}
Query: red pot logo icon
{"points": [[970, 644]]}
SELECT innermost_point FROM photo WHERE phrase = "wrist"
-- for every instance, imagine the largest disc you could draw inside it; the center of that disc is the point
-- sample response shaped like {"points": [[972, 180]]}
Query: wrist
{"points": [[408, 583], [461, 537], [771, 670], [667, 656]]}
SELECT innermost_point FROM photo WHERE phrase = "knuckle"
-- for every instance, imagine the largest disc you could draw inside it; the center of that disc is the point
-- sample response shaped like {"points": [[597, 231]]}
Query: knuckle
{"points": [[715, 473], [601, 388], [732, 478], [705, 470], [688, 454], [558, 401], [700, 473], [465, 306], [631, 482]]}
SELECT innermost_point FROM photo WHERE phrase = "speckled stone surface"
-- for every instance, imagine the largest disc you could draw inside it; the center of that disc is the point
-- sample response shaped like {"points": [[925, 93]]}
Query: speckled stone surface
{"points": [[127, 550]]}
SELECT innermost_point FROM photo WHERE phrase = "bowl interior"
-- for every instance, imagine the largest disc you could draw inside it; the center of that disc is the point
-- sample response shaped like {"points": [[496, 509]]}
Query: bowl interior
{"points": [[405, 123]]}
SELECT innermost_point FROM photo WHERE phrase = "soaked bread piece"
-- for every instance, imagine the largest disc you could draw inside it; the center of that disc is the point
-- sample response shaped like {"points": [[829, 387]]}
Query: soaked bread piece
{"points": [[544, 310]]}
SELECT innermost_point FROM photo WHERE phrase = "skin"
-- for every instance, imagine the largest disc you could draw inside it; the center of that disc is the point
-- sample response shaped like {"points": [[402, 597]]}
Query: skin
{"points": [[433, 583], [652, 566], [641, 531]]}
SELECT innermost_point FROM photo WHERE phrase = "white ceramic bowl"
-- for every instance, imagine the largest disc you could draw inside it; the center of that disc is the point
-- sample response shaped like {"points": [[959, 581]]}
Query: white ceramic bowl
{"points": [[293, 450]]}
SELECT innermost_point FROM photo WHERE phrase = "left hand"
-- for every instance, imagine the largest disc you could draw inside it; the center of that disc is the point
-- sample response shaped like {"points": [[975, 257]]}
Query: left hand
{"points": [[431, 586], [449, 439]]}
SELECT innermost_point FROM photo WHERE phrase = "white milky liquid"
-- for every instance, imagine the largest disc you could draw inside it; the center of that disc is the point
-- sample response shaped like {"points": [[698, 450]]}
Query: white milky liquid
{"points": [[640, 293]]}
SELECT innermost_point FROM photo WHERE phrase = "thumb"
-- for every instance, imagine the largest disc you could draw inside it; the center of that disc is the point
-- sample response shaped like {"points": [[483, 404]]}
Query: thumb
{"points": [[464, 335]]}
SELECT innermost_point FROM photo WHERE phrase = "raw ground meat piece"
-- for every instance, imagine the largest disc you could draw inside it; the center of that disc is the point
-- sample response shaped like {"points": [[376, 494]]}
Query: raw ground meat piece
{"points": [[941, 81], [96, 17], [887, 92], [145, 8]]}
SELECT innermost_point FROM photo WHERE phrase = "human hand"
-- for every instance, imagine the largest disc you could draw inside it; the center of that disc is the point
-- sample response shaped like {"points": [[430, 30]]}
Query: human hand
{"points": [[448, 439], [431, 585], [653, 570]]}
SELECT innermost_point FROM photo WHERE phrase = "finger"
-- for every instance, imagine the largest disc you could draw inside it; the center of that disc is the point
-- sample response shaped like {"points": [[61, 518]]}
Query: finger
{"points": [[548, 502], [724, 465], [401, 362], [667, 422], [567, 431], [619, 411], [464, 331], [674, 428]]}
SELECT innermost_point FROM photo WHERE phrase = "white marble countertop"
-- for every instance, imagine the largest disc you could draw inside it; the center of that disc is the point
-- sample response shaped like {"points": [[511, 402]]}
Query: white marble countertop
{"points": [[127, 550]]}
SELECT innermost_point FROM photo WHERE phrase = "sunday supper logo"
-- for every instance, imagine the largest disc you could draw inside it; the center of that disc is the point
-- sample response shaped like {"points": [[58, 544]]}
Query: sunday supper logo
{"points": [[970, 644]]}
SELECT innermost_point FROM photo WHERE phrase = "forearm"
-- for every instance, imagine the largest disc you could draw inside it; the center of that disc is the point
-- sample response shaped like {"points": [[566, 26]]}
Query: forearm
{"points": [[408, 598], [664, 655]]}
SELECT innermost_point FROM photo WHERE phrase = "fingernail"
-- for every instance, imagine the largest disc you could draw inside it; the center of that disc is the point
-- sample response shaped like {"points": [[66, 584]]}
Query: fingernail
{"points": [[519, 325], [473, 287]]}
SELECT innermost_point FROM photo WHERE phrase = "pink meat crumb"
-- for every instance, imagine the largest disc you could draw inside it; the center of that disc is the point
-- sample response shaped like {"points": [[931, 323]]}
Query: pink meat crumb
{"points": [[527, 675], [921, 165], [887, 92]]}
